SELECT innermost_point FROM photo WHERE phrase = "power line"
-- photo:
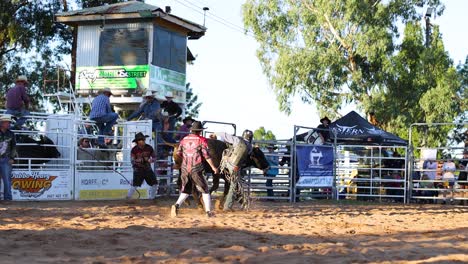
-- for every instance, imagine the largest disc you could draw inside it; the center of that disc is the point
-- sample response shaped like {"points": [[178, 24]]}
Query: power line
{"points": [[226, 23], [215, 18]]}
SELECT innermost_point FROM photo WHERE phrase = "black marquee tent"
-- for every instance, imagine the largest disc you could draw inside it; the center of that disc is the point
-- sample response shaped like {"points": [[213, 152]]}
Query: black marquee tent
{"points": [[353, 128]]}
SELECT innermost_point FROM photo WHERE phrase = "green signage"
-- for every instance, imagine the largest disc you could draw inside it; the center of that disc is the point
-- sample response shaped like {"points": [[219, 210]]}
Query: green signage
{"points": [[113, 77], [166, 78]]}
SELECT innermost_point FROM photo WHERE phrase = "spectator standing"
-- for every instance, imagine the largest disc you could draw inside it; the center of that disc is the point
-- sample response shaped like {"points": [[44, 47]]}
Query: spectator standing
{"points": [[185, 128], [150, 110], [7, 154], [431, 167], [102, 114], [18, 100], [323, 129], [193, 149], [171, 111], [427, 183], [448, 176], [142, 155], [462, 177], [273, 170]]}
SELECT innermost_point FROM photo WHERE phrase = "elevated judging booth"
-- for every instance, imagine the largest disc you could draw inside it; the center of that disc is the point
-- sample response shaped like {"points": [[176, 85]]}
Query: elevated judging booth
{"points": [[130, 47]]}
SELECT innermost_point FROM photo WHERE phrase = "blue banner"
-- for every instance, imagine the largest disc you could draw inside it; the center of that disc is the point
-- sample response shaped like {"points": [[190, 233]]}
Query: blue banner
{"points": [[315, 166]]}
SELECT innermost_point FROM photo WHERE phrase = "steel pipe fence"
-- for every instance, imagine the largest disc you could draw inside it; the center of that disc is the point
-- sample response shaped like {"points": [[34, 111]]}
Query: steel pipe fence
{"points": [[437, 171]]}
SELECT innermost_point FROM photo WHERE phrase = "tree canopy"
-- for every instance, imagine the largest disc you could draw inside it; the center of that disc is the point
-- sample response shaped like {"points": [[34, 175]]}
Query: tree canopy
{"points": [[32, 44], [262, 134], [338, 52]]}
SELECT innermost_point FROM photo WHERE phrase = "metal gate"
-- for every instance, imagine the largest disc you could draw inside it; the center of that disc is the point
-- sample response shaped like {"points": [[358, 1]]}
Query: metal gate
{"points": [[437, 171]]}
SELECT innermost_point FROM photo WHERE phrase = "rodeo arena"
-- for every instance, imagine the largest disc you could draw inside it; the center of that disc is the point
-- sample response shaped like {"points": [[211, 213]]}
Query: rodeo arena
{"points": [[347, 192]]}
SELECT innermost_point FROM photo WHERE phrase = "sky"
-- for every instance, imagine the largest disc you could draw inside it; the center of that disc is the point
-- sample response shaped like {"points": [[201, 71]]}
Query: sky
{"points": [[228, 78]]}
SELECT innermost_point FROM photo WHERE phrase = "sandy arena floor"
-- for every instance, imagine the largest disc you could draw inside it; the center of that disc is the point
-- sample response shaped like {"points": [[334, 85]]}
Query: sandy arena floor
{"points": [[271, 232]]}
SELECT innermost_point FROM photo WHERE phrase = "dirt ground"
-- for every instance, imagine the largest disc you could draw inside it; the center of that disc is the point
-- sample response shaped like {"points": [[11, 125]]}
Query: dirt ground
{"points": [[271, 232]]}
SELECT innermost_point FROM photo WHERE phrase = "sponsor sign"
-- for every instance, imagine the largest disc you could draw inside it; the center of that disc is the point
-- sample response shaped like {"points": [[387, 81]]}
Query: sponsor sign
{"points": [[113, 77], [41, 185], [105, 185], [428, 154], [165, 80], [315, 166]]}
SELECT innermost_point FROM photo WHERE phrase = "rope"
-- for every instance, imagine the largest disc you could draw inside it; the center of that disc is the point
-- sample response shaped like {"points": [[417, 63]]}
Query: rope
{"points": [[110, 168]]}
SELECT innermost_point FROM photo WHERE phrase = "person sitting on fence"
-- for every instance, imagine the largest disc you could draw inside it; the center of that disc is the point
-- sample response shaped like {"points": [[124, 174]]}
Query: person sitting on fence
{"points": [[323, 129], [17, 101], [102, 114], [150, 110], [184, 128], [142, 155], [273, 170]]}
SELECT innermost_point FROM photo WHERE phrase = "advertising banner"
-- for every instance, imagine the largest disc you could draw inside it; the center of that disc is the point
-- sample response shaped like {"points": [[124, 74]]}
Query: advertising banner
{"points": [[113, 77], [41, 185], [165, 80], [315, 166], [105, 185]]}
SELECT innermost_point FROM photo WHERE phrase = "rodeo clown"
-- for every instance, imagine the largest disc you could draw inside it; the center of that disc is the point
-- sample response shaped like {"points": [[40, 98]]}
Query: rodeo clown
{"points": [[193, 148], [142, 155]]}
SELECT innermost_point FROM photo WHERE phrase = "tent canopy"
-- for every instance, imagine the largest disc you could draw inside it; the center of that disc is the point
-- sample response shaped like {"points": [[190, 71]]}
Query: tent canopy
{"points": [[353, 128]]}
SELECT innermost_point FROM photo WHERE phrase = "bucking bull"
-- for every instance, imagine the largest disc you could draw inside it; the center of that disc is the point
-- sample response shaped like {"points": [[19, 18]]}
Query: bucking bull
{"points": [[40, 150], [216, 148]]}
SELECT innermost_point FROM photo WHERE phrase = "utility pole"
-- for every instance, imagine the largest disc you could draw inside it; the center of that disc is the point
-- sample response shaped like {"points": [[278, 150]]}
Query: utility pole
{"points": [[427, 18], [204, 14]]}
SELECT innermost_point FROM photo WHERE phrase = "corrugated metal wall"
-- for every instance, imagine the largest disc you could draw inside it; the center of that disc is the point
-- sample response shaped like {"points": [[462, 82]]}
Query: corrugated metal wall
{"points": [[88, 42]]}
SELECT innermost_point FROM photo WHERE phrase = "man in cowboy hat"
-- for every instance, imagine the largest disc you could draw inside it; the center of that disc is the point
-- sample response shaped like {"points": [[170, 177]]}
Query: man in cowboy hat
{"points": [[151, 110], [7, 154], [185, 127], [142, 155], [173, 111], [194, 149], [323, 129], [273, 161], [102, 114], [18, 100]]}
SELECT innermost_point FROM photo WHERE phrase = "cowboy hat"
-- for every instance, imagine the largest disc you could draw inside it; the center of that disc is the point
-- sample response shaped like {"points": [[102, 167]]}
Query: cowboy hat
{"points": [[139, 136], [149, 94], [22, 78], [325, 118], [169, 94], [106, 90], [6, 117], [197, 126], [188, 118]]}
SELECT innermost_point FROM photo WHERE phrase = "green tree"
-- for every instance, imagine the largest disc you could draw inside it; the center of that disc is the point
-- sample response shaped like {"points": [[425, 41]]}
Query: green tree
{"points": [[337, 52], [30, 43], [421, 86], [328, 52], [192, 106], [262, 134]]}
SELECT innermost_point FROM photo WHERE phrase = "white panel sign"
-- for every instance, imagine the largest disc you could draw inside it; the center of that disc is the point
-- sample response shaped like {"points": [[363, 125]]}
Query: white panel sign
{"points": [[106, 185], [41, 185]]}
